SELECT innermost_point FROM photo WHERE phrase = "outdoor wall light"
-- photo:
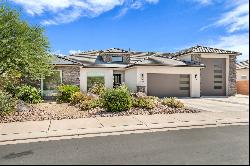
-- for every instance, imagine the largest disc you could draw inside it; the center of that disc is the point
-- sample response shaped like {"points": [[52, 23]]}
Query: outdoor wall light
{"points": [[142, 77], [195, 76]]}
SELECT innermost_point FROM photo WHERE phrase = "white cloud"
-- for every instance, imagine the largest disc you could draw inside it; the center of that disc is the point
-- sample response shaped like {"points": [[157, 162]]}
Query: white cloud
{"points": [[204, 2], [152, 1], [236, 19], [135, 5], [65, 11], [74, 51], [57, 52], [236, 42]]}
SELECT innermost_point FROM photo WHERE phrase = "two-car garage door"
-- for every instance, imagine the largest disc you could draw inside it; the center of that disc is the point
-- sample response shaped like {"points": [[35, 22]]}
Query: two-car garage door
{"points": [[168, 85]]}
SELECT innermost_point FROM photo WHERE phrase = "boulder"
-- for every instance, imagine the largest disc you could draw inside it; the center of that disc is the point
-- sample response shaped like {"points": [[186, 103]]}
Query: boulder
{"points": [[22, 106]]}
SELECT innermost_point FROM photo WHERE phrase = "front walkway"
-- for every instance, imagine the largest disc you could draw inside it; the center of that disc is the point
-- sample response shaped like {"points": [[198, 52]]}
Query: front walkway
{"points": [[218, 104], [23, 132]]}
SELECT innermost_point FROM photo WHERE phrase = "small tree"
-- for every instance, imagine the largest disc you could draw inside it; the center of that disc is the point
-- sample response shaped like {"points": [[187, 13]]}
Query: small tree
{"points": [[23, 48]]}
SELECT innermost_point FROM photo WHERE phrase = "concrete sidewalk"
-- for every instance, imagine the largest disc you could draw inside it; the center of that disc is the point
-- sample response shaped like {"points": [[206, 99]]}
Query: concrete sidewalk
{"points": [[21, 132], [218, 104]]}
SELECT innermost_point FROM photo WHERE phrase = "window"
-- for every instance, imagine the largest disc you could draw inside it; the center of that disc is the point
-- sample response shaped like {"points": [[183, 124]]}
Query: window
{"points": [[218, 77], [184, 88], [244, 77], [217, 71], [217, 87], [54, 80], [184, 82], [117, 58], [92, 80]]}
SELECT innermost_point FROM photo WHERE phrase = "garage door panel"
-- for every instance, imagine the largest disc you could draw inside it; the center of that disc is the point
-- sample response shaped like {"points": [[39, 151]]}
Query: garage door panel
{"points": [[168, 85]]}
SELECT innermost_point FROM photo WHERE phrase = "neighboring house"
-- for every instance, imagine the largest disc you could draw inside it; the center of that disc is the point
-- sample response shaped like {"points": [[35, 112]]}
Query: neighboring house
{"points": [[194, 72], [243, 78]]}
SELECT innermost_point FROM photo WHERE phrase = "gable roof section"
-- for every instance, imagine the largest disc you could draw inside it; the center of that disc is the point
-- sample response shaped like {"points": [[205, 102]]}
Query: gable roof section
{"points": [[158, 60], [203, 49], [59, 60], [243, 65]]}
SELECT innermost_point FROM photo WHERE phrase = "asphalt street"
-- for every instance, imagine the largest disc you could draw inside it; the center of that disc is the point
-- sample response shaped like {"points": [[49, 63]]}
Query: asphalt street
{"points": [[221, 145]]}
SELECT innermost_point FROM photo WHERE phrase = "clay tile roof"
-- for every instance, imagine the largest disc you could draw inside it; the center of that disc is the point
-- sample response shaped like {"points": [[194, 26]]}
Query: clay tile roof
{"points": [[116, 50], [243, 65], [167, 60], [203, 49]]}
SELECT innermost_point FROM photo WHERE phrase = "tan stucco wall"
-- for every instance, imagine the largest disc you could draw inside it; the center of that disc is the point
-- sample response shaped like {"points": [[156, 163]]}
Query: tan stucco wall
{"points": [[241, 72]]}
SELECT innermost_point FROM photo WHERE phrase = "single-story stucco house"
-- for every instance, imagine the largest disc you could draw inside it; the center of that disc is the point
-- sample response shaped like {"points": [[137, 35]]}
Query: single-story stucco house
{"points": [[194, 72], [243, 77]]}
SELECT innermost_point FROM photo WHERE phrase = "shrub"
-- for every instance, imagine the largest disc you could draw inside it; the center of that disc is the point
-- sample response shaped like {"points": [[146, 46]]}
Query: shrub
{"points": [[12, 89], [89, 104], [29, 94], [7, 103], [97, 88], [116, 100], [65, 92], [172, 102], [144, 102], [77, 98]]}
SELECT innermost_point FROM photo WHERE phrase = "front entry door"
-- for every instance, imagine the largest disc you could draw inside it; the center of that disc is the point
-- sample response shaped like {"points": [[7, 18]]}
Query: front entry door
{"points": [[117, 80], [213, 77]]}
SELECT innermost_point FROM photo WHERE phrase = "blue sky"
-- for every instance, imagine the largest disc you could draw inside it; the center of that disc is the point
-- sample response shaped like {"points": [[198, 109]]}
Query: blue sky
{"points": [[143, 25]]}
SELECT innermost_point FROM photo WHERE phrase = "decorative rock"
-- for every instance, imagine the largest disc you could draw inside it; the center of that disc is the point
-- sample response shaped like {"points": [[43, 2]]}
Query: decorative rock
{"points": [[139, 94], [22, 106], [54, 111]]}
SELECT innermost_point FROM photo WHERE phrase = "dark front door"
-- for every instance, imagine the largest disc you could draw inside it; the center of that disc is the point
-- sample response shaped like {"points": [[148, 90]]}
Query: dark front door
{"points": [[117, 80], [213, 77]]}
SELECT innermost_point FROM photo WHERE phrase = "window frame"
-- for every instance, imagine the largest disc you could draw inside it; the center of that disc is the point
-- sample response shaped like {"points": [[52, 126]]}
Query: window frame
{"points": [[243, 77], [42, 82], [89, 76], [112, 57]]}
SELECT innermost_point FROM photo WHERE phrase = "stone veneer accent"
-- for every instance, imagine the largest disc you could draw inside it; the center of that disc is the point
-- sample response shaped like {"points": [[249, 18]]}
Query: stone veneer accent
{"points": [[70, 74], [232, 89], [196, 58]]}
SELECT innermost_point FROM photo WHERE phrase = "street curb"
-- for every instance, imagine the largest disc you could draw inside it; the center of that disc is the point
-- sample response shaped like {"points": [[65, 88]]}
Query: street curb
{"points": [[115, 132]]}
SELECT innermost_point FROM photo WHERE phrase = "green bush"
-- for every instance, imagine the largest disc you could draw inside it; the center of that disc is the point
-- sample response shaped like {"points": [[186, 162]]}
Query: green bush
{"points": [[77, 98], [65, 92], [172, 102], [116, 100], [29, 94], [12, 89], [144, 102], [89, 104], [97, 88], [7, 103]]}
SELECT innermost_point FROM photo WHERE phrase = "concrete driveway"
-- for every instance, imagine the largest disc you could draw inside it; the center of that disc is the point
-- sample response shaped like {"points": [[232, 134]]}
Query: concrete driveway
{"points": [[218, 104]]}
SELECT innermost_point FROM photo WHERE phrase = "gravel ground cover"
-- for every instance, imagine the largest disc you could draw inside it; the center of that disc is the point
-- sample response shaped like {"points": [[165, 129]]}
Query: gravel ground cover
{"points": [[50, 110]]}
